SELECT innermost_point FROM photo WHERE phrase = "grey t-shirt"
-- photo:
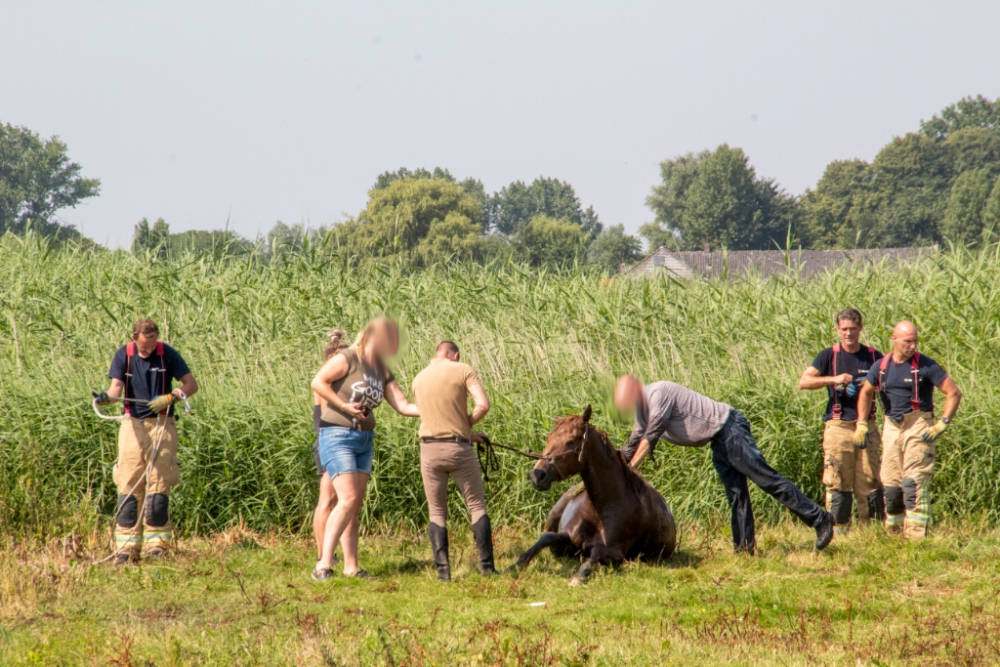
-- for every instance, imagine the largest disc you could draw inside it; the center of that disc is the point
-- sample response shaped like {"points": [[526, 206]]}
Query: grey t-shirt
{"points": [[676, 414]]}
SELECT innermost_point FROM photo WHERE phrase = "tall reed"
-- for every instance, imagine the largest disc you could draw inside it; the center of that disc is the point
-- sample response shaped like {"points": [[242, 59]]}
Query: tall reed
{"points": [[545, 344]]}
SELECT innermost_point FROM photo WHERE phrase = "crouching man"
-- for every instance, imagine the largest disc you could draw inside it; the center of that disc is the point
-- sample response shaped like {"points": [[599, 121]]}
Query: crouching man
{"points": [[142, 373]]}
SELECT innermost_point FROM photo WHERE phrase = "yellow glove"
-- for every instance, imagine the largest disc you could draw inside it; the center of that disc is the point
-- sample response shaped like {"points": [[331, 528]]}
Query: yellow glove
{"points": [[934, 431], [861, 435], [162, 403]]}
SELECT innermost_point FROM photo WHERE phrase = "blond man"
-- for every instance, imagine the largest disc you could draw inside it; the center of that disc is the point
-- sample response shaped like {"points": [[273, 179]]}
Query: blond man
{"points": [[905, 381]]}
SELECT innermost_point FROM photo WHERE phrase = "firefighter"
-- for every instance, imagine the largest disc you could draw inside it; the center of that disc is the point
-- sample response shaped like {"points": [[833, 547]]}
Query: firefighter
{"points": [[849, 471], [905, 381], [143, 371]]}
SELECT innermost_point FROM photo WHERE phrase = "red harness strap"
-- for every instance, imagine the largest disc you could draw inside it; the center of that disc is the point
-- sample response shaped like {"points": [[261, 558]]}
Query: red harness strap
{"points": [[130, 351], [836, 400], [914, 368]]}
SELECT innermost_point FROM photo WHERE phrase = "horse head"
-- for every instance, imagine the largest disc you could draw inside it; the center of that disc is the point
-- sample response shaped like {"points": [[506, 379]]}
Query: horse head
{"points": [[563, 451]]}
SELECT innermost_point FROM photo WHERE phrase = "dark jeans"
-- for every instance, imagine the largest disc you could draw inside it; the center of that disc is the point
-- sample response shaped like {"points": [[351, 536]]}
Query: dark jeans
{"points": [[737, 458]]}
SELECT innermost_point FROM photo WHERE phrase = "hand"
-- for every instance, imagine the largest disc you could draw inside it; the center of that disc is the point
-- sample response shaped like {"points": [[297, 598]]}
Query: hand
{"points": [[161, 403], [843, 379], [102, 398], [357, 410], [861, 435], [480, 437], [934, 431]]}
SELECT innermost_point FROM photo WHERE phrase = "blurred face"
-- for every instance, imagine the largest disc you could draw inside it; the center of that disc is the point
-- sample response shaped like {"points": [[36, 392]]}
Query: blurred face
{"points": [[146, 345], [904, 342], [385, 342], [628, 395], [850, 332]]}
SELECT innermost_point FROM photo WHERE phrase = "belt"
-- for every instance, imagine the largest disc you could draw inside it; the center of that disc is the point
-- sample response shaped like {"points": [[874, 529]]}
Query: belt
{"points": [[456, 438]]}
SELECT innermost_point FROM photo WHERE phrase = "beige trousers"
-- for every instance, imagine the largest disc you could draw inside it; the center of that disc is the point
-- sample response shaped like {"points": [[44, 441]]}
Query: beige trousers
{"points": [[908, 465], [438, 462], [847, 469], [136, 439]]}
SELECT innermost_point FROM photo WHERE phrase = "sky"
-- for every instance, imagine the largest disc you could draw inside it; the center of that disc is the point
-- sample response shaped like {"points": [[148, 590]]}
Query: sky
{"points": [[210, 114]]}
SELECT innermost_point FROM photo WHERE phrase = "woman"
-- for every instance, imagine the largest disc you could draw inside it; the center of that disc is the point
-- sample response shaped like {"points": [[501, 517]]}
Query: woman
{"points": [[327, 496], [351, 385]]}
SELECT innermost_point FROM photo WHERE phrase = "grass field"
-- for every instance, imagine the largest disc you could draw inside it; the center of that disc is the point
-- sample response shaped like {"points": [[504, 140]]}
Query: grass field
{"points": [[244, 599]]}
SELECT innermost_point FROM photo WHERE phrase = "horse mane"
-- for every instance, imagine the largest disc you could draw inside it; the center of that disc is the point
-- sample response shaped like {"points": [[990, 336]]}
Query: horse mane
{"points": [[633, 479]]}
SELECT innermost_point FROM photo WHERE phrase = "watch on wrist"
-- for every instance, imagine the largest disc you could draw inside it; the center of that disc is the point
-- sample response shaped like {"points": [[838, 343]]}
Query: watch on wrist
{"points": [[945, 421]]}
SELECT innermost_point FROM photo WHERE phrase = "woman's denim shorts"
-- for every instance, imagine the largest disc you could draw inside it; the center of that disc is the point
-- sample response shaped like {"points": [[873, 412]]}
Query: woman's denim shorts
{"points": [[344, 450]]}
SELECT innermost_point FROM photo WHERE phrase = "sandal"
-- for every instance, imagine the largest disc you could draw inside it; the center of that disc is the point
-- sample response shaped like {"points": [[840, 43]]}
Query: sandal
{"points": [[321, 573], [359, 574]]}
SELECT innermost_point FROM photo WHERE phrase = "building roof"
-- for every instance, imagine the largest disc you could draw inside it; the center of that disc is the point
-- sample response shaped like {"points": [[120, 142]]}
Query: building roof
{"points": [[764, 263]]}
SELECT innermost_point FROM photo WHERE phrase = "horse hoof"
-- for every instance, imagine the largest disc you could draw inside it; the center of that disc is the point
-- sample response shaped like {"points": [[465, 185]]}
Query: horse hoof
{"points": [[512, 571], [577, 581]]}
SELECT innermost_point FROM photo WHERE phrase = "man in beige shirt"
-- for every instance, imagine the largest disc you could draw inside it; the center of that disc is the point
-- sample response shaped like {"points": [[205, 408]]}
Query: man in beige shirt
{"points": [[442, 393]]}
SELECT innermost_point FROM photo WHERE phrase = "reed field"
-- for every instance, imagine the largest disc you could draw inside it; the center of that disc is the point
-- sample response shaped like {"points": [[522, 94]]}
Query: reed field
{"points": [[545, 344]]}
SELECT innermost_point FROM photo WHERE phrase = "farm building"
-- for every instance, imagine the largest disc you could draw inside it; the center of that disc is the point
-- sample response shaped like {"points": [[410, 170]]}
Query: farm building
{"points": [[765, 263]]}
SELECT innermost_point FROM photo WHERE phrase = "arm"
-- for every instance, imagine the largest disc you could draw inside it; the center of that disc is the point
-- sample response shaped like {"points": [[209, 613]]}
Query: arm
{"points": [[953, 396], [481, 404], [811, 379], [334, 369], [115, 390], [865, 397], [397, 399], [188, 385], [640, 453]]}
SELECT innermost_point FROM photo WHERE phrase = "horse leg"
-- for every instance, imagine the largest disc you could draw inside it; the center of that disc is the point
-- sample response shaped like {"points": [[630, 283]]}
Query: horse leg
{"points": [[549, 539], [598, 554]]}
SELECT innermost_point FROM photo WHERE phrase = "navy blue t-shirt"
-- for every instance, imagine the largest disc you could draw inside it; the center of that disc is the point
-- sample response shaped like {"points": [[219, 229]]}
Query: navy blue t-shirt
{"points": [[897, 389], [855, 363], [147, 381]]}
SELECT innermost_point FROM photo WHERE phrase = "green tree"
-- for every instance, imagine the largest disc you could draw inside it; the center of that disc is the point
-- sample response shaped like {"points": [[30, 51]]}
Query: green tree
{"points": [[471, 185], [963, 218], [968, 112], [669, 198], [612, 247], [37, 179], [974, 148], [400, 216], [510, 209], [547, 241], [906, 196], [991, 215], [727, 207], [153, 239], [826, 221], [454, 238]]}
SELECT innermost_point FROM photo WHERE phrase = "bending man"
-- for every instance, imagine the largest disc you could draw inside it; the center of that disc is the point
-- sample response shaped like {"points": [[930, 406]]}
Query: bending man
{"points": [[905, 380], [442, 392], [144, 370], [684, 417], [849, 470]]}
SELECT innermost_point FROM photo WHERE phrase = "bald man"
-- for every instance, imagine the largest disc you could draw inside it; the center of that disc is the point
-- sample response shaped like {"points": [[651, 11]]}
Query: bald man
{"points": [[905, 381], [664, 410]]}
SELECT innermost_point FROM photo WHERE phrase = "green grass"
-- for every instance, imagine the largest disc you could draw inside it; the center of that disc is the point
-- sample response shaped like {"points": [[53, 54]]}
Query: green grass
{"points": [[243, 599]]}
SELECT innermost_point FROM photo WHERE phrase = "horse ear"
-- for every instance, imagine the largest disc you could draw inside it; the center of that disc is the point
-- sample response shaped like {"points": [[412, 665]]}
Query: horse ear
{"points": [[558, 420], [586, 415]]}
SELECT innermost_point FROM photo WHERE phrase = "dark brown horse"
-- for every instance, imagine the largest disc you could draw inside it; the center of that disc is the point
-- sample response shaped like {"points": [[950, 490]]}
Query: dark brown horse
{"points": [[620, 515]]}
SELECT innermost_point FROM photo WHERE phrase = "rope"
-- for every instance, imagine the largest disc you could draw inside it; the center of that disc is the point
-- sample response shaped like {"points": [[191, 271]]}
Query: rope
{"points": [[162, 428], [488, 459]]}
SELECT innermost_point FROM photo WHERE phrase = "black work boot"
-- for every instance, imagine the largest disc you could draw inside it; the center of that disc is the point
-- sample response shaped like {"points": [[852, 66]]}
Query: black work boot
{"points": [[439, 548], [824, 531], [482, 531]]}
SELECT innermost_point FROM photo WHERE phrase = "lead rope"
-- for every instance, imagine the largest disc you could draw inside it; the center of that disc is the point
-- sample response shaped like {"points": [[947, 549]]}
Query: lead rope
{"points": [[162, 428]]}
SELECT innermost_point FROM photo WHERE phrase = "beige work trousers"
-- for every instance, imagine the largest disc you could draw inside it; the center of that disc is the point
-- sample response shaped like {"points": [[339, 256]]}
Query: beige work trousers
{"points": [[908, 463], [136, 440], [848, 469], [438, 462]]}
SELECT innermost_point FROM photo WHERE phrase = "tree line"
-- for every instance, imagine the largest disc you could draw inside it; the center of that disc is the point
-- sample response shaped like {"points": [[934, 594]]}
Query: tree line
{"points": [[938, 184]]}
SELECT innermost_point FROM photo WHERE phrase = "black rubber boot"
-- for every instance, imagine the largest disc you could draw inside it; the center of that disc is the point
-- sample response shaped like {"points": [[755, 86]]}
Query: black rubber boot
{"points": [[439, 548], [482, 531]]}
